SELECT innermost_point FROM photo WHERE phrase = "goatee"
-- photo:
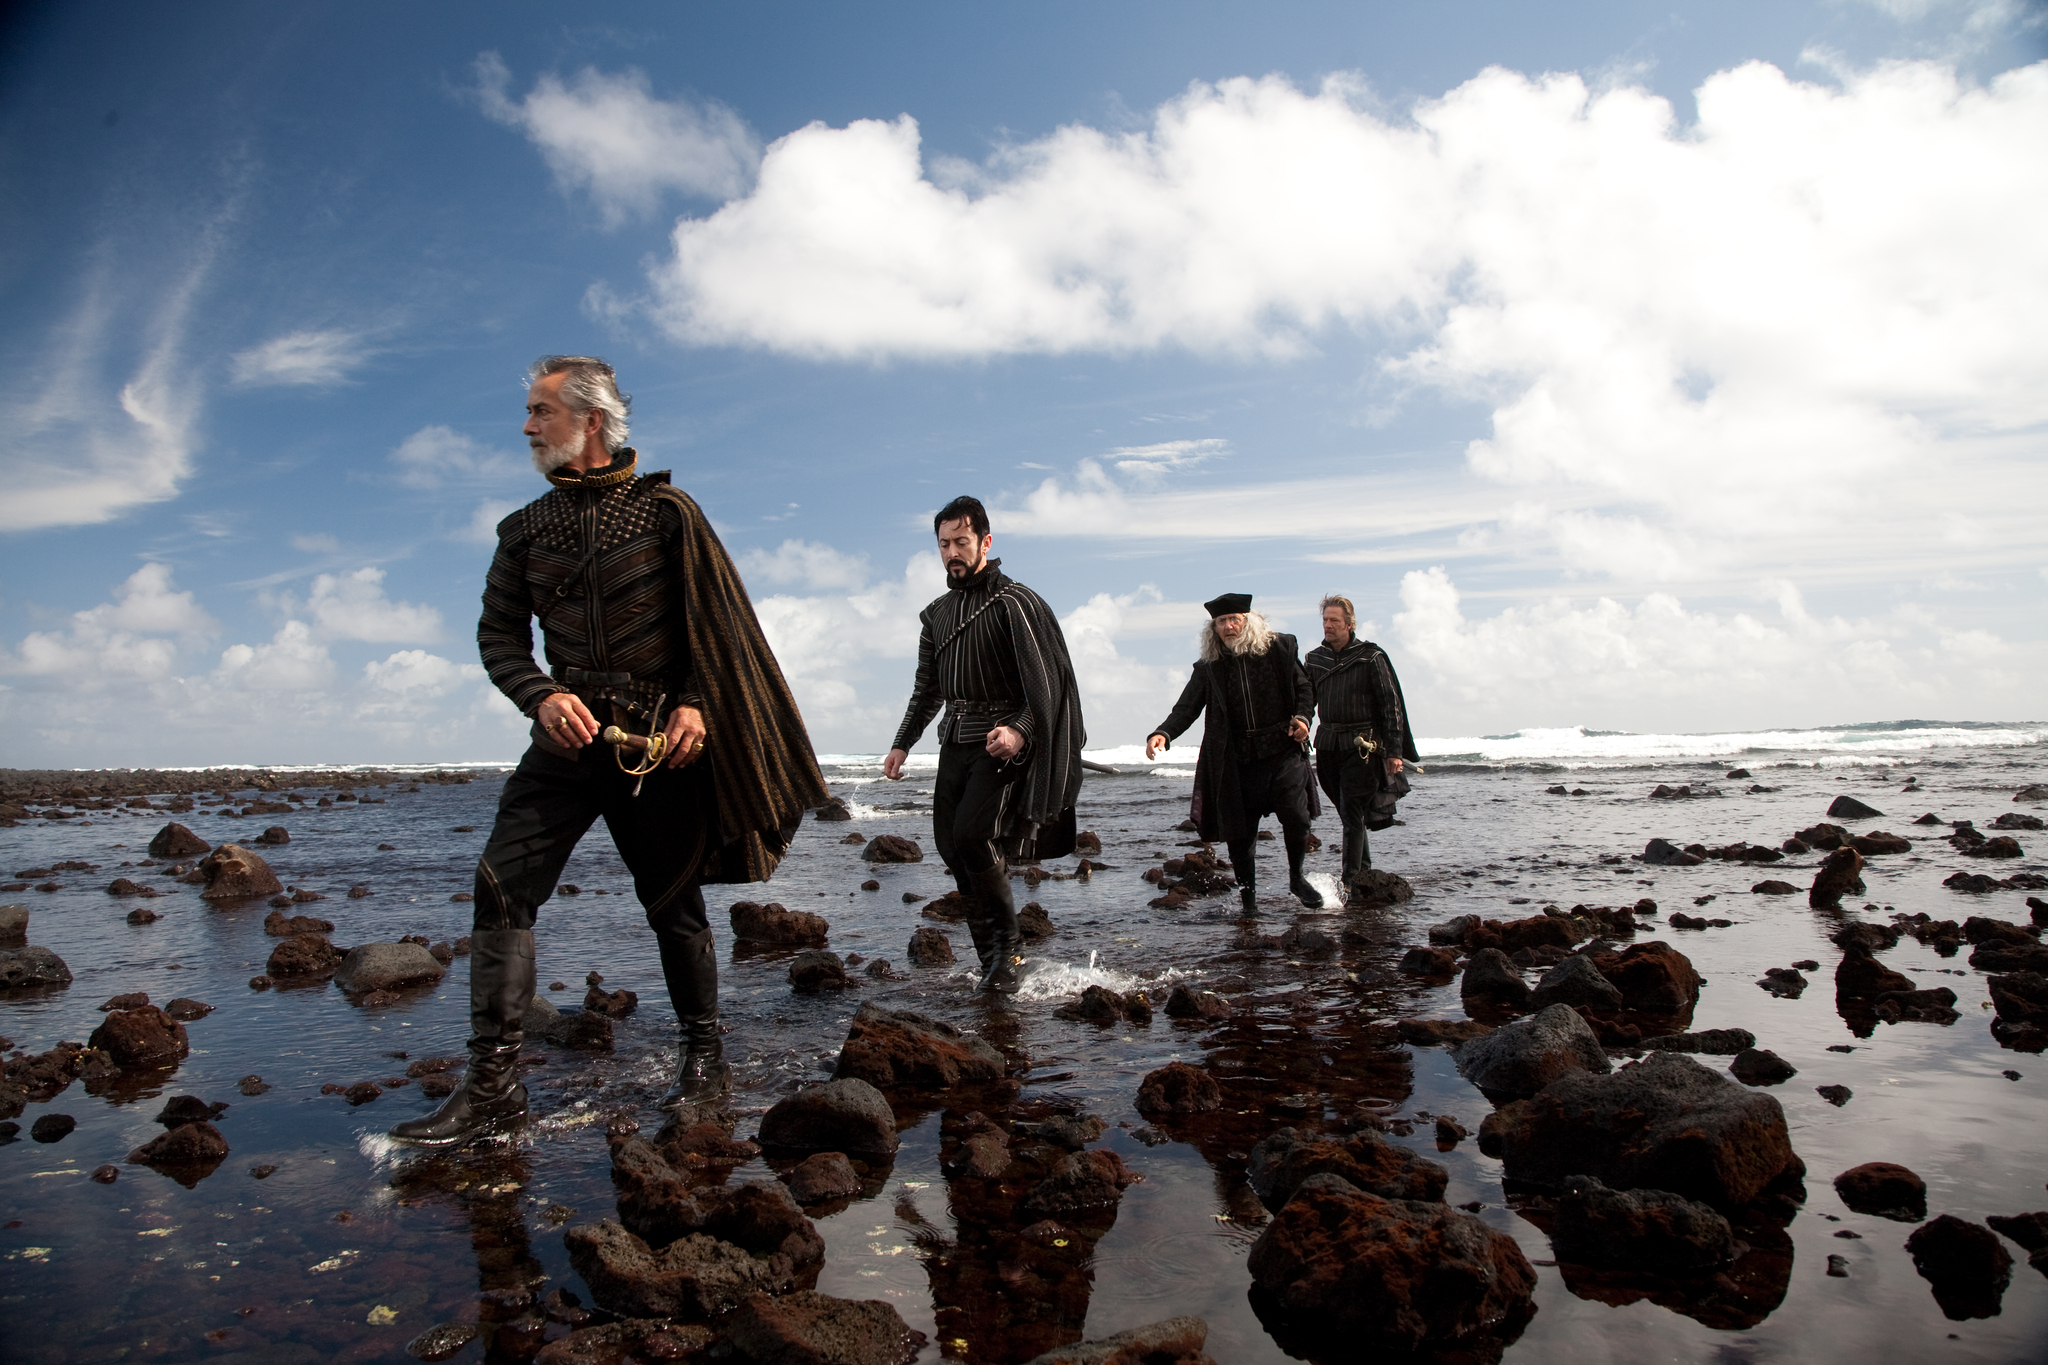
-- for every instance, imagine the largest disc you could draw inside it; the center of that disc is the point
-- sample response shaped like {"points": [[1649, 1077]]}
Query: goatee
{"points": [[547, 459]]}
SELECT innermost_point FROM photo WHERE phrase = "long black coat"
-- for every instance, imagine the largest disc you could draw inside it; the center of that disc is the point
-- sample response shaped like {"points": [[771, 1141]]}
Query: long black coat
{"points": [[1249, 700]]}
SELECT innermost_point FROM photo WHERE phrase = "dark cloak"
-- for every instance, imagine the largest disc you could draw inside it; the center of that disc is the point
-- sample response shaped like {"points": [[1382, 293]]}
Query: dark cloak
{"points": [[1388, 705], [1218, 806], [1039, 819]]}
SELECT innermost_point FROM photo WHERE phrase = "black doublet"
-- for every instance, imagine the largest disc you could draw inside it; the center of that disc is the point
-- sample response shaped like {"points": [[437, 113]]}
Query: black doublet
{"points": [[1248, 766]]}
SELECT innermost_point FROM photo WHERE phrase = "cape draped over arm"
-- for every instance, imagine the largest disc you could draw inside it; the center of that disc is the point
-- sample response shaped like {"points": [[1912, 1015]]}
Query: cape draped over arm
{"points": [[1052, 781]]}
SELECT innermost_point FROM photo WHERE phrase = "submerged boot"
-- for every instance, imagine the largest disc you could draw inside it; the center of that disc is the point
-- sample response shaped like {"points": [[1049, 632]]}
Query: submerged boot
{"points": [[490, 1098], [689, 964], [992, 888], [980, 920], [1297, 849], [1246, 871]]}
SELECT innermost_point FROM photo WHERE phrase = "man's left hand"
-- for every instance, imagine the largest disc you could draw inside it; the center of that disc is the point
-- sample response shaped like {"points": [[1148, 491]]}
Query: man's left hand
{"points": [[686, 734], [1297, 729], [1003, 742], [1393, 765]]}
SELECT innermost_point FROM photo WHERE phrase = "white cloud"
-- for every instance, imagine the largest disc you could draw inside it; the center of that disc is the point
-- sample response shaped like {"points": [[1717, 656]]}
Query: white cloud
{"points": [[414, 674], [1121, 697], [316, 543], [805, 563], [1150, 464], [482, 526], [610, 136], [291, 662], [352, 606], [849, 655], [316, 358], [121, 638], [436, 455]]}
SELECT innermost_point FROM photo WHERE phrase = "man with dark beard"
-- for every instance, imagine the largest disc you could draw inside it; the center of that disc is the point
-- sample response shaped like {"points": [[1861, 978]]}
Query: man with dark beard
{"points": [[1250, 682], [991, 653], [647, 627], [1362, 735]]}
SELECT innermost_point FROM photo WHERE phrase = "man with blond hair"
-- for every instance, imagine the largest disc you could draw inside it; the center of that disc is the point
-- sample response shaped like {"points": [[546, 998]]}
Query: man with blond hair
{"points": [[1362, 737]]}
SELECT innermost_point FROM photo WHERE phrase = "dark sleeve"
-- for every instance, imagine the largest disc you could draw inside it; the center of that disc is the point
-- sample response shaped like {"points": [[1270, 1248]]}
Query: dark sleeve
{"points": [[504, 633], [1017, 614], [1192, 698], [1388, 715], [925, 700], [1304, 691], [681, 666]]}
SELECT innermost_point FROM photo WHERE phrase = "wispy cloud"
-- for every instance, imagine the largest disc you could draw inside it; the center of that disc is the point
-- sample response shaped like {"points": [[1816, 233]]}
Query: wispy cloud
{"points": [[353, 606], [306, 359], [608, 135], [437, 455]]}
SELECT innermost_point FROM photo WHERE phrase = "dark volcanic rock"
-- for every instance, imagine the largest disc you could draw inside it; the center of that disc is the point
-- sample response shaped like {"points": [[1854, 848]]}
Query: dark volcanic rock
{"points": [[180, 1110], [385, 966], [275, 834], [1665, 1123], [1187, 1003], [129, 1000], [1489, 976], [659, 1204], [2020, 997], [2004, 846], [1372, 889], [817, 969], [1520, 1058], [1862, 977], [1824, 837], [892, 848], [304, 955], [1178, 1088], [2028, 1231], [1760, 1066], [1281, 1162], [52, 1127], [144, 1039], [807, 1328], [185, 1009], [1424, 1032], [770, 923], [188, 1153], [13, 924], [929, 947], [2010, 957], [1964, 1263], [1721, 1042], [1652, 977], [1841, 874], [1651, 1230], [1874, 937], [1033, 923], [30, 968], [833, 811], [1885, 1190], [822, 1176], [277, 925], [1429, 962], [611, 1004], [694, 1277], [1080, 1182], [1849, 808], [1879, 842], [1576, 981], [1774, 888], [1453, 931], [614, 1343], [1664, 853], [1174, 1341], [888, 1048], [839, 1116], [175, 841], [1380, 1273], [234, 873]]}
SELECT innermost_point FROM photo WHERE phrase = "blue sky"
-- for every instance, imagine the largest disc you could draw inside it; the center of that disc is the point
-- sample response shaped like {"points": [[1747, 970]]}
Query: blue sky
{"points": [[1638, 367]]}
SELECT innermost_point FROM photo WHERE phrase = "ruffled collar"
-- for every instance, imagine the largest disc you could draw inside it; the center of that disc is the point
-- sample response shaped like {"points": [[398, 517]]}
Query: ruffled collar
{"points": [[605, 476]]}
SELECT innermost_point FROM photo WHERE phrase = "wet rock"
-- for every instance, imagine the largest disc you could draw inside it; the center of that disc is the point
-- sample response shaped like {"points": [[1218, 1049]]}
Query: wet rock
{"points": [[52, 1127], [614, 1343], [615, 1004], [2004, 846], [2021, 998], [1388, 1274], [847, 1115], [1936, 1006], [1861, 976], [1101, 1005], [1872, 937], [694, 1277], [834, 811], [1840, 874], [1490, 977], [1373, 889], [1577, 982], [1761, 1066], [2012, 819], [1424, 1032], [817, 969], [13, 924], [1652, 977], [1081, 1181], [1281, 1162], [131, 1000], [898, 1049], [304, 955], [1033, 923], [771, 923], [891, 848], [1664, 853], [121, 886], [2010, 957], [705, 1142], [1837, 1095], [385, 966], [143, 1039], [1187, 1003], [659, 1204], [176, 841], [1964, 1263], [31, 968], [232, 872], [1174, 1341], [1306, 939], [1884, 1190], [822, 1176], [277, 925], [2028, 1231], [1665, 1123], [142, 914], [1453, 931], [1849, 808], [275, 834], [180, 1110], [929, 947], [1429, 962], [1774, 888], [1071, 1131], [361, 1093], [188, 1153], [1719, 1042], [1652, 1230], [1178, 1088], [806, 1328], [1520, 1058], [579, 1030], [1879, 842]]}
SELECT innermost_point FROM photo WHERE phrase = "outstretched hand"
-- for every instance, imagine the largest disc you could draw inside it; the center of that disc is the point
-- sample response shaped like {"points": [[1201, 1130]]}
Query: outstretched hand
{"points": [[1153, 744]]}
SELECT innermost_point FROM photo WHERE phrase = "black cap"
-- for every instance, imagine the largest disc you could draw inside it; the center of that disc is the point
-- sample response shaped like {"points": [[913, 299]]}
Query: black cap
{"points": [[1228, 604]]}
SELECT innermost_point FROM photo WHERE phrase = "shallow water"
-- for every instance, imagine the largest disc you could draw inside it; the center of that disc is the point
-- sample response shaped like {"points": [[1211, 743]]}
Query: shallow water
{"points": [[352, 1248]]}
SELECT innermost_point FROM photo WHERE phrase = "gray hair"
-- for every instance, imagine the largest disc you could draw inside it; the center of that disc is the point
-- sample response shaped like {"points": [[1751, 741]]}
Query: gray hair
{"points": [[592, 384], [1255, 639]]}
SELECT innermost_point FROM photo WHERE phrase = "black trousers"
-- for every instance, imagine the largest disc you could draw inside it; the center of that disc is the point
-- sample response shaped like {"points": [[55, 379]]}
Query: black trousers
{"points": [[969, 802], [1350, 782], [550, 802]]}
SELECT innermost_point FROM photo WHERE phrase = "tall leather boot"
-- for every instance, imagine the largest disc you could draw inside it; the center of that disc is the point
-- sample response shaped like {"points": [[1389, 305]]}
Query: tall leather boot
{"points": [[980, 920], [1243, 866], [490, 1097], [1297, 849], [992, 886], [689, 964]]}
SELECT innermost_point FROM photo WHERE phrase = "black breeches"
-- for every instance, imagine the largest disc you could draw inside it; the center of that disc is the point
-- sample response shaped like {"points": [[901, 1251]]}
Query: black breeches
{"points": [[1351, 783], [1278, 786], [969, 803], [550, 802]]}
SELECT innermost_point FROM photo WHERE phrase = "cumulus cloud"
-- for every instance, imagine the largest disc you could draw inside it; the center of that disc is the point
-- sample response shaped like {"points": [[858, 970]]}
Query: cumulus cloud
{"points": [[292, 661], [126, 637], [436, 455], [850, 655], [352, 606], [414, 674], [805, 563], [1120, 696], [482, 526], [609, 136], [315, 358]]}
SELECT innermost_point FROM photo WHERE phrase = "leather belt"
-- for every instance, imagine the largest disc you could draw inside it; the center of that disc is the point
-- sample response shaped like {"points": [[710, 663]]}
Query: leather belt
{"points": [[593, 678], [976, 706]]}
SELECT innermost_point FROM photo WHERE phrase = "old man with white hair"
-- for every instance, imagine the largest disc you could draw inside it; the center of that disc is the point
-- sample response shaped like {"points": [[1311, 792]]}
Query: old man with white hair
{"points": [[1254, 761]]}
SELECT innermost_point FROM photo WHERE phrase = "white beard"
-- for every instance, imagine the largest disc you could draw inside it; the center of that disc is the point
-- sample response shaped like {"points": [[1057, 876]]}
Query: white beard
{"points": [[547, 459]]}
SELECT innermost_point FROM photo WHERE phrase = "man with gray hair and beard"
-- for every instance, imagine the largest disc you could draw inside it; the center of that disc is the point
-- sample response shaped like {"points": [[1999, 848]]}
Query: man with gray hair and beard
{"points": [[706, 768], [1253, 762], [1362, 737]]}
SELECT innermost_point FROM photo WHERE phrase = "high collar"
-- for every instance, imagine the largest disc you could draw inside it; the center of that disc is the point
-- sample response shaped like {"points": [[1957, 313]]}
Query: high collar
{"points": [[987, 574], [604, 476]]}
